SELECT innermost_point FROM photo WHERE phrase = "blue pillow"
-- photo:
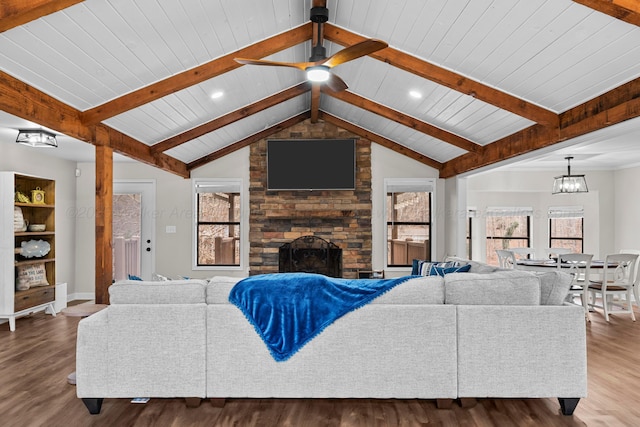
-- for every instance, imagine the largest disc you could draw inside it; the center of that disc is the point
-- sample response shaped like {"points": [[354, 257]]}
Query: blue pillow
{"points": [[132, 277], [441, 271], [423, 268]]}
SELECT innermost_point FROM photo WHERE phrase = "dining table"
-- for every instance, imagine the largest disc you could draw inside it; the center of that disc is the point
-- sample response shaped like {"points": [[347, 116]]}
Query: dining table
{"points": [[547, 263]]}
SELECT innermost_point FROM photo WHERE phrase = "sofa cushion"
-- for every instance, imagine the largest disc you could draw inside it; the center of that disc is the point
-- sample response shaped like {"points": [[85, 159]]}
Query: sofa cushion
{"points": [[554, 287], [508, 287], [147, 292], [418, 290], [476, 266], [219, 287]]}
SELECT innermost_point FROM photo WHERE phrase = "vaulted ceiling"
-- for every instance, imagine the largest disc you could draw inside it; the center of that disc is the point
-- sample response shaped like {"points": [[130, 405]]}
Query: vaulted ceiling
{"points": [[463, 84]]}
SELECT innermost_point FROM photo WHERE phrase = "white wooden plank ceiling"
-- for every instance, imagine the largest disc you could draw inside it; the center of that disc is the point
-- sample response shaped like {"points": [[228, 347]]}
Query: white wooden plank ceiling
{"points": [[556, 54]]}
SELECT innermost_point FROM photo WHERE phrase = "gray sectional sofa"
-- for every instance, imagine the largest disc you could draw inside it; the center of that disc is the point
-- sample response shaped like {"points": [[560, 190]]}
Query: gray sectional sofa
{"points": [[479, 334]]}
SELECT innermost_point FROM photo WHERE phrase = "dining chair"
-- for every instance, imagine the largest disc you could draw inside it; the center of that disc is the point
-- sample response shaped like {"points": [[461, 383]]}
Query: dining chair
{"points": [[521, 253], [578, 266], [636, 285], [617, 279], [506, 258], [557, 252]]}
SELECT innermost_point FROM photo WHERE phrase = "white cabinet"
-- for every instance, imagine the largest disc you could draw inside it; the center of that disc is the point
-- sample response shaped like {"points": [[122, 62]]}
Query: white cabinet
{"points": [[29, 252]]}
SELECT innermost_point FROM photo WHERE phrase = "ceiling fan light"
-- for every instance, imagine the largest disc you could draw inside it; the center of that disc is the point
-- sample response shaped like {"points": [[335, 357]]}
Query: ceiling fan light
{"points": [[37, 138], [318, 73]]}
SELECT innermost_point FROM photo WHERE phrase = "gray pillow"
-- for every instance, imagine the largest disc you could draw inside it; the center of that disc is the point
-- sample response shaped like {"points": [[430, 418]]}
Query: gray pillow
{"points": [[554, 287], [512, 287]]}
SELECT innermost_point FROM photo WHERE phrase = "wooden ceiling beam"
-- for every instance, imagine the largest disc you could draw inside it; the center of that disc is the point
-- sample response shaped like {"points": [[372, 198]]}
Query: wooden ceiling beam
{"points": [[624, 10], [378, 139], [196, 75], [232, 117], [616, 106], [448, 78], [248, 140], [24, 101], [405, 119], [315, 102], [14, 13]]}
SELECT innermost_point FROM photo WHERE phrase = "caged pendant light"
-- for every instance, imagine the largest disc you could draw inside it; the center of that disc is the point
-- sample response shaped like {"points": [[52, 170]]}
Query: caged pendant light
{"points": [[569, 183]]}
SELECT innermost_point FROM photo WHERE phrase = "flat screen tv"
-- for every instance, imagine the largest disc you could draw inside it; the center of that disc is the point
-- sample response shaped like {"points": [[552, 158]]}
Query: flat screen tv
{"points": [[311, 164]]}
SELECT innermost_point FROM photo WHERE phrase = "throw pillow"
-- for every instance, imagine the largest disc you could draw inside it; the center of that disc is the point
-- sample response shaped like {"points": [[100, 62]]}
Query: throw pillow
{"points": [[423, 268], [33, 274], [441, 271]]}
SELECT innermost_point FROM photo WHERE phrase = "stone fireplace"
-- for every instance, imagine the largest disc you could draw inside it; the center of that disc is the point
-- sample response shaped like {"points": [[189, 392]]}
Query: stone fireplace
{"points": [[342, 217], [310, 254]]}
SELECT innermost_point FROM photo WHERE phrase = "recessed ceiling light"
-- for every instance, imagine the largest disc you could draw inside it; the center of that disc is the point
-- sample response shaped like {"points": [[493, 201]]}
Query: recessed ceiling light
{"points": [[216, 95], [415, 94]]}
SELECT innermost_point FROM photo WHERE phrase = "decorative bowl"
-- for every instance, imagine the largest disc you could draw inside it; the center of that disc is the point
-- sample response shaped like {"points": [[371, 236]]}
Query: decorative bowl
{"points": [[34, 248], [37, 227]]}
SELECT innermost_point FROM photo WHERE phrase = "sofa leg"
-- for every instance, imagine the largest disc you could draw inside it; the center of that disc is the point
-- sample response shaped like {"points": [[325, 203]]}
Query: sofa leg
{"points": [[192, 402], [93, 405], [218, 402], [468, 402], [568, 404], [444, 403]]}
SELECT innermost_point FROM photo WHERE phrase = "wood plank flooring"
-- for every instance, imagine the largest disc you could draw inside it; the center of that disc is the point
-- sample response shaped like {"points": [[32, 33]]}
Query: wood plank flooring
{"points": [[36, 358]]}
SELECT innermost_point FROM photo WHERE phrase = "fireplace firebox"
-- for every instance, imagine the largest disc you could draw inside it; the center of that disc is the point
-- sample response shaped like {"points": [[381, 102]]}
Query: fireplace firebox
{"points": [[310, 254]]}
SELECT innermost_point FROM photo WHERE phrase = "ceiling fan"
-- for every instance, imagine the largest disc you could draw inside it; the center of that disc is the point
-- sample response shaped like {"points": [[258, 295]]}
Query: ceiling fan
{"points": [[318, 66]]}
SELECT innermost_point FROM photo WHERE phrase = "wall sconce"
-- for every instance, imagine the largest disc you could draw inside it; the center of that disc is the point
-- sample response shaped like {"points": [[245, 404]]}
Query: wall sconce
{"points": [[569, 183], [37, 138]]}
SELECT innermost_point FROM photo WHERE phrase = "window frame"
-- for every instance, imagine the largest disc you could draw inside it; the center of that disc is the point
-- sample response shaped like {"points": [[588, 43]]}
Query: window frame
{"points": [[507, 212], [407, 185], [223, 185], [566, 212]]}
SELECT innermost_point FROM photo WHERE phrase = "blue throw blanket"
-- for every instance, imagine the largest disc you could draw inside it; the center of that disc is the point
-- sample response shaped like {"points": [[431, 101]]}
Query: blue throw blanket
{"points": [[289, 309]]}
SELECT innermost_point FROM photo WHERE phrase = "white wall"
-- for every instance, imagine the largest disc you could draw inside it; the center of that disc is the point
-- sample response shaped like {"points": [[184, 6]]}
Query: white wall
{"points": [[533, 189], [627, 208], [174, 206], [36, 161], [387, 163]]}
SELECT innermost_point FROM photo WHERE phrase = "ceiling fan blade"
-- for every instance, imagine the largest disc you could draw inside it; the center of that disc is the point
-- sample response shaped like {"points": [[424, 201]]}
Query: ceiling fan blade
{"points": [[356, 51], [335, 83], [299, 65]]}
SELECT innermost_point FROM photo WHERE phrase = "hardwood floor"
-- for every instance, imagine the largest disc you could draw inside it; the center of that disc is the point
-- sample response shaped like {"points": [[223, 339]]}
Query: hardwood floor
{"points": [[36, 358]]}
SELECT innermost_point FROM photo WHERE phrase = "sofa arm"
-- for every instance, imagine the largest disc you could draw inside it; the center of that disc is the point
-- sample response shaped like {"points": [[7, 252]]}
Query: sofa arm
{"points": [[91, 355], [522, 351], [143, 350]]}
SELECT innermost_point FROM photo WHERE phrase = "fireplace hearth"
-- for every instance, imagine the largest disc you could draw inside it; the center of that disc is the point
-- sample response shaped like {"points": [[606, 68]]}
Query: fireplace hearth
{"points": [[310, 254]]}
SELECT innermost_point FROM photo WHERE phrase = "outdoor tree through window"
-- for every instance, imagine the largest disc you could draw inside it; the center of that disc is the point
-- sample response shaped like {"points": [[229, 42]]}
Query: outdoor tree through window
{"points": [[509, 228]]}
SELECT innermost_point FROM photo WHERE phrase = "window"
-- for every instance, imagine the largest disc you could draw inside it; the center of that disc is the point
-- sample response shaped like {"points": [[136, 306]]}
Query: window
{"points": [[566, 228], [408, 217], [471, 214], [217, 234], [507, 228]]}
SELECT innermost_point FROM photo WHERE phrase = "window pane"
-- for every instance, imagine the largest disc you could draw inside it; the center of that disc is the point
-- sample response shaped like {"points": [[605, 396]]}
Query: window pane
{"points": [[574, 245], [408, 207], [218, 244], [507, 226], [566, 227], [412, 242], [218, 207]]}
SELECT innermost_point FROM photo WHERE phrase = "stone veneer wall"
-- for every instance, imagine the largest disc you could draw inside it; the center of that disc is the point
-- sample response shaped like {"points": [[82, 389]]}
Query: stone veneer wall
{"points": [[341, 217]]}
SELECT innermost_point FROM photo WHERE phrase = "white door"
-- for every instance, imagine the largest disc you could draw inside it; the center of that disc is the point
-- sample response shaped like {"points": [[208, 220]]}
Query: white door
{"points": [[134, 202]]}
